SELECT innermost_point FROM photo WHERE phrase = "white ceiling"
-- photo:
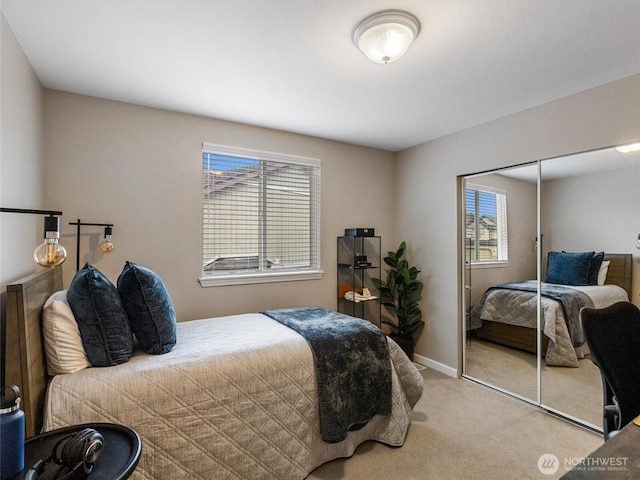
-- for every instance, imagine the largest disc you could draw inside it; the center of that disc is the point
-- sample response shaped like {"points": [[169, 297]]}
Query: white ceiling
{"points": [[291, 65]]}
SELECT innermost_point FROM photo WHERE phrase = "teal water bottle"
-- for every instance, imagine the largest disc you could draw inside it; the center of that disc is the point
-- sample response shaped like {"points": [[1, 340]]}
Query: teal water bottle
{"points": [[11, 432]]}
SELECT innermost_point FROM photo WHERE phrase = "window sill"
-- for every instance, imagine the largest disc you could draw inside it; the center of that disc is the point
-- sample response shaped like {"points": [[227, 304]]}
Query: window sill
{"points": [[249, 278], [489, 265]]}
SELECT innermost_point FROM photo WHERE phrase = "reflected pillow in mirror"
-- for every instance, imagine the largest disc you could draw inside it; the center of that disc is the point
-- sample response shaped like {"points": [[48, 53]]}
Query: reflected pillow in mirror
{"points": [[569, 268], [602, 274], [594, 269]]}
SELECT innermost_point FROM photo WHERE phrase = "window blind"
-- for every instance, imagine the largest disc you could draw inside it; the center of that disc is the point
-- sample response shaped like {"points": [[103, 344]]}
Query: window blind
{"points": [[486, 225], [261, 212]]}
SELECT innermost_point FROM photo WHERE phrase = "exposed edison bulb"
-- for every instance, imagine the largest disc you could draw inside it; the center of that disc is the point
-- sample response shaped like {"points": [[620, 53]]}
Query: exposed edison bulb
{"points": [[638, 242], [106, 245], [50, 253]]}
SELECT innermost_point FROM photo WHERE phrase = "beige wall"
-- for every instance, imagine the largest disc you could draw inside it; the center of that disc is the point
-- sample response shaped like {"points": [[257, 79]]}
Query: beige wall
{"points": [[426, 189], [599, 211], [140, 168], [22, 166]]}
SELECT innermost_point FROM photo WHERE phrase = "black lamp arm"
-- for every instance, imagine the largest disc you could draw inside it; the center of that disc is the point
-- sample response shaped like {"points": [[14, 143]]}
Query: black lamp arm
{"points": [[55, 213], [51, 221], [91, 224]]}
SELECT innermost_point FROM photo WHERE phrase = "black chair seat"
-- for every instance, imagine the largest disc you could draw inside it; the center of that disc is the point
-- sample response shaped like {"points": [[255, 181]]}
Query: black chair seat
{"points": [[613, 337]]}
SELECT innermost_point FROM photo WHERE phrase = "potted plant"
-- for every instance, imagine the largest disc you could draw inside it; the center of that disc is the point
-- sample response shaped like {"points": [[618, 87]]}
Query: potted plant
{"points": [[400, 294]]}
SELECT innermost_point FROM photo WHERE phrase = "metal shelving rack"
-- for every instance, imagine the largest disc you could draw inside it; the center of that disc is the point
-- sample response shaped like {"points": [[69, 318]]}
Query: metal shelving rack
{"points": [[359, 261]]}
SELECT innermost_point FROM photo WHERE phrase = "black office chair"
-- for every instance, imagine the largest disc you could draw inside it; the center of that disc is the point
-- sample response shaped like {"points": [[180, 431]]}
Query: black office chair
{"points": [[613, 336]]}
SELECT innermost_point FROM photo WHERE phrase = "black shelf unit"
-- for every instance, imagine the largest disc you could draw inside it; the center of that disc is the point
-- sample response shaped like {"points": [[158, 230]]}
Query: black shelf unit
{"points": [[359, 261]]}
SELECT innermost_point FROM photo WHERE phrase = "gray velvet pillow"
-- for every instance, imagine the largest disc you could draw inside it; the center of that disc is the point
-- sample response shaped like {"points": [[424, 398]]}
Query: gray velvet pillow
{"points": [[102, 319], [149, 307], [569, 268]]}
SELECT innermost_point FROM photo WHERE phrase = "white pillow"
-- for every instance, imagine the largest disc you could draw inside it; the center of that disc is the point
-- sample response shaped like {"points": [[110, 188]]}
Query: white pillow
{"points": [[62, 342], [602, 273]]}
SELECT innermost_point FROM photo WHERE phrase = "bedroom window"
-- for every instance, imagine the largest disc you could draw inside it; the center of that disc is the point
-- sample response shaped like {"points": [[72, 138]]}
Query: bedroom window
{"points": [[260, 216], [486, 225]]}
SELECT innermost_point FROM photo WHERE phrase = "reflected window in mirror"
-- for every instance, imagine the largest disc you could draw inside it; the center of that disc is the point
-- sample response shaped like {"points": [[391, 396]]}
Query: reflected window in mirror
{"points": [[485, 225]]}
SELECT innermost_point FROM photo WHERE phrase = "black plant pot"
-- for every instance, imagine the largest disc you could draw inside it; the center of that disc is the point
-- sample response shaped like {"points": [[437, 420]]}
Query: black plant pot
{"points": [[405, 343]]}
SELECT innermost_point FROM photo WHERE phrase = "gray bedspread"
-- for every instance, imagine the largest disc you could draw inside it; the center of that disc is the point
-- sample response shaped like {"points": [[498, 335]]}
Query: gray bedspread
{"points": [[235, 399], [516, 304], [572, 301], [353, 369]]}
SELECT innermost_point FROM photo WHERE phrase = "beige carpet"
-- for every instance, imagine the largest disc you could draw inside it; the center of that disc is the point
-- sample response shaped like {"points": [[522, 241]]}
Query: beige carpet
{"points": [[462, 430], [573, 391]]}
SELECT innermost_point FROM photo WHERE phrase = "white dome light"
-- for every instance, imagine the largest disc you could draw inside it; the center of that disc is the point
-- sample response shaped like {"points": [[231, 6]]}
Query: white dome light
{"points": [[385, 36], [632, 148]]}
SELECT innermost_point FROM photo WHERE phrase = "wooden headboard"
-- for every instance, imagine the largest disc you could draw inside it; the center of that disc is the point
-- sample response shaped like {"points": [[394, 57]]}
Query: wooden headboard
{"points": [[25, 358], [620, 270]]}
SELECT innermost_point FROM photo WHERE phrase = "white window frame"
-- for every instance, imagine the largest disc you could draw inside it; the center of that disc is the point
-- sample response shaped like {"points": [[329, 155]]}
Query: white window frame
{"points": [[314, 272], [501, 220]]}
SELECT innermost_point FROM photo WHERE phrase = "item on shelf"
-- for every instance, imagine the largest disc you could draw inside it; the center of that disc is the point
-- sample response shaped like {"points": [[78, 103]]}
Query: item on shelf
{"points": [[359, 232], [361, 261], [346, 287], [357, 298]]}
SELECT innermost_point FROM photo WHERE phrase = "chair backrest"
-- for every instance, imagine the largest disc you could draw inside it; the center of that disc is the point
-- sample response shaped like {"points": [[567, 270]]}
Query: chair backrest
{"points": [[613, 336]]}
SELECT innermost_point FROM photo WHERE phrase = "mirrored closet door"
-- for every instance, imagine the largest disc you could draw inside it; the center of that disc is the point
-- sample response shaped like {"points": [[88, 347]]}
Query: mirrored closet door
{"points": [[500, 227], [521, 336]]}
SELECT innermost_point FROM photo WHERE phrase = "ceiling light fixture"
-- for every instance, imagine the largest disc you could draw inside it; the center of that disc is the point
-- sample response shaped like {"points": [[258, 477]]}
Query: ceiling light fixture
{"points": [[385, 36], [631, 148]]}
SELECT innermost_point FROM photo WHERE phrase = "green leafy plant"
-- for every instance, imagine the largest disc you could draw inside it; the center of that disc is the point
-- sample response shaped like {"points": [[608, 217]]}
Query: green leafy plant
{"points": [[401, 293]]}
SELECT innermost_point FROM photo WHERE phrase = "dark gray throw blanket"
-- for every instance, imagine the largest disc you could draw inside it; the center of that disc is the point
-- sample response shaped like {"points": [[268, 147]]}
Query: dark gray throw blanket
{"points": [[352, 364], [572, 301]]}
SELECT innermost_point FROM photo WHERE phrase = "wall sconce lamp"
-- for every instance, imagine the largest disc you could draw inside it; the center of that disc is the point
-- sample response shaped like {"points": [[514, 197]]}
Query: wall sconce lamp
{"points": [[49, 253], [385, 36], [106, 245]]}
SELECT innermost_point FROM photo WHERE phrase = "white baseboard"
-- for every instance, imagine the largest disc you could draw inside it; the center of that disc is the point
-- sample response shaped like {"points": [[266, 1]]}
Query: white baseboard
{"points": [[440, 367]]}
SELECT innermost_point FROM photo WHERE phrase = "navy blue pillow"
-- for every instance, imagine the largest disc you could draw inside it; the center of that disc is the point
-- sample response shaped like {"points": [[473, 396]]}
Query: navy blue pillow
{"points": [[149, 307], [594, 268], [569, 268], [596, 263], [102, 320]]}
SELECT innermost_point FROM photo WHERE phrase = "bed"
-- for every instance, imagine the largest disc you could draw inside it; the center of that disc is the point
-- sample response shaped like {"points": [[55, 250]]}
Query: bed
{"points": [[236, 398], [508, 315]]}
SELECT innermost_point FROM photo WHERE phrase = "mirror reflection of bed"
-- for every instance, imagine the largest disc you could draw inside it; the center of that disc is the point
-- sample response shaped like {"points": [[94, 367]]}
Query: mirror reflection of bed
{"points": [[505, 355], [588, 202]]}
